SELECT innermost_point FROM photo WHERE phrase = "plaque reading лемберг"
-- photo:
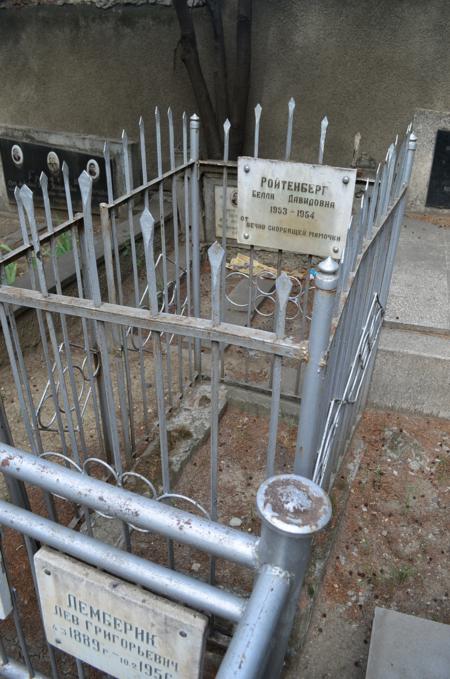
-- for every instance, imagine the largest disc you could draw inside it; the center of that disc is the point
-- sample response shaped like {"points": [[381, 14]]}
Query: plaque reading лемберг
{"points": [[294, 206], [119, 628]]}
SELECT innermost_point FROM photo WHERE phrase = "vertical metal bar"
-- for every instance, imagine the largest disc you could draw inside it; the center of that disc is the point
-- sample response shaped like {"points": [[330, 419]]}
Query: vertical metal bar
{"points": [[16, 489], [382, 203], [148, 231], [19, 371], [187, 239], [392, 163], [31, 548], [258, 111], [115, 247], [85, 184], [373, 203], [137, 293], [26, 197], [27, 201], [216, 256], [162, 227], [303, 319], [121, 330], [84, 325], [143, 159], [194, 127], [226, 140], [398, 219], [176, 245], [35, 442], [283, 286], [116, 335], [19, 631], [291, 109], [43, 180], [323, 136], [3, 654], [226, 146], [305, 451]]}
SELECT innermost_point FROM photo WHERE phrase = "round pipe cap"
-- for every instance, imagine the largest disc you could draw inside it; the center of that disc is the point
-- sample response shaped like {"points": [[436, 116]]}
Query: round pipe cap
{"points": [[293, 505]]}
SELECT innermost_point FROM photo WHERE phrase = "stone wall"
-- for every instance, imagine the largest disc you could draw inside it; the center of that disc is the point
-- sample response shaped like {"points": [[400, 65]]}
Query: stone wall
{"points": [[366, 65]]}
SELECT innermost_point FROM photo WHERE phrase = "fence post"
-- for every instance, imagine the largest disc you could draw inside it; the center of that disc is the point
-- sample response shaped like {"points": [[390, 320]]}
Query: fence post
{"points": [[194, 128], [292, 509], [398, 220], [324, 300], [16, 489]]}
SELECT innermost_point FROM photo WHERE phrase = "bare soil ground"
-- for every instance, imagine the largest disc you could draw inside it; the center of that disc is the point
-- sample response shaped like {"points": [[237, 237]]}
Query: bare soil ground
{"points": [[392, 546], [390, 549]]}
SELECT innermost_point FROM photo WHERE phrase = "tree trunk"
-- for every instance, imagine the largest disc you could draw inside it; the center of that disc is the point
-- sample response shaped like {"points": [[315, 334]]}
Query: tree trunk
{"points": [[190, 58], [242, 78], [220, 70]]}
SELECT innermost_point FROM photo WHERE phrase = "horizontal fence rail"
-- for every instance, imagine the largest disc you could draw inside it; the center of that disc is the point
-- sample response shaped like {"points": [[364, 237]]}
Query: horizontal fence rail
{"points": [[131, 508], [288, 524]]}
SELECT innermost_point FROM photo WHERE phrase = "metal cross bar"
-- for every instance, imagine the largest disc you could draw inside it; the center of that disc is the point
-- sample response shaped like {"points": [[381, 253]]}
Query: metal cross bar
{"points": [[253, 637], [178, 525], [158, 579], [135, 193], [250, 338]]}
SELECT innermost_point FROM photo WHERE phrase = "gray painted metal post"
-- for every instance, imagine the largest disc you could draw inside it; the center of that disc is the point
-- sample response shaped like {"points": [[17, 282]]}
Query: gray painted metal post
{"points": [[396, 227], [324, 302], [104, 412], [16, 489], [194, 128], [292, 509], [251, 643]]}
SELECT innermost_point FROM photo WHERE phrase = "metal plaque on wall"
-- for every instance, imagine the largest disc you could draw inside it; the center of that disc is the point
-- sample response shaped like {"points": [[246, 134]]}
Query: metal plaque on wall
{"points": [[294, 206], [231, 215], [116, 627]]}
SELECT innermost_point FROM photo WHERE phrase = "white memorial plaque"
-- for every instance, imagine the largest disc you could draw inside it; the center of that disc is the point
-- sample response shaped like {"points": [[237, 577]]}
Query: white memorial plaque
{"points": [[231, 210], [294, 206], [119, 628]]}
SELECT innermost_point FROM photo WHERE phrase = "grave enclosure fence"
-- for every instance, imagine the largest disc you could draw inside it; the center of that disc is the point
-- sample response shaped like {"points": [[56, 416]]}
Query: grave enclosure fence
{"points": [[134, 323]]}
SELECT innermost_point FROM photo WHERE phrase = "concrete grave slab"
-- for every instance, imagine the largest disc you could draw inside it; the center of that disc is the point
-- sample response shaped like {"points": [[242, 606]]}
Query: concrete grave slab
{"points": [[405, 647], [420, 291]]}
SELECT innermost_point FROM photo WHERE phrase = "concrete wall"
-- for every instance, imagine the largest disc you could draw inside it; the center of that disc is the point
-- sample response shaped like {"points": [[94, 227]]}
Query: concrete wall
{"points": [[367, 65]]}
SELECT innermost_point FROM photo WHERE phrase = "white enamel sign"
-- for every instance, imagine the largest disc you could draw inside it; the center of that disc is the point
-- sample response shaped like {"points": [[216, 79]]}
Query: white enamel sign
{"points": [[231, 210], [119, 628], [294, 206]]}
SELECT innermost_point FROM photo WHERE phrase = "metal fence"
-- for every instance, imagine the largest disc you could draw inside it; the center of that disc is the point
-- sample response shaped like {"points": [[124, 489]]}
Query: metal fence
{"points": [[130, 317]]}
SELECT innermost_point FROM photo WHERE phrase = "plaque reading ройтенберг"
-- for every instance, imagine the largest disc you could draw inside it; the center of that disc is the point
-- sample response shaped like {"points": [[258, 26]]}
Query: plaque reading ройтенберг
{"points": [[119, 628], [294, 206]]}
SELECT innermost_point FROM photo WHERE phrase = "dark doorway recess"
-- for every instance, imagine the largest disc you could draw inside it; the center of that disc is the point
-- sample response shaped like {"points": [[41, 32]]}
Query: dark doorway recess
{"points": [[439, 186]]}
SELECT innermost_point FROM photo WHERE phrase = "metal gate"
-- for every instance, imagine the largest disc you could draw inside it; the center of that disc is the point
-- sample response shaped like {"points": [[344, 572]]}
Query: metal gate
{"points": [[128, 321]]}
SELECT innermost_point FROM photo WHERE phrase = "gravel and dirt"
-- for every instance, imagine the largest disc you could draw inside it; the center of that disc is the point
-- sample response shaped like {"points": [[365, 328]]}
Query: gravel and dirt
{"points": [[392, 546], [389, 549]]}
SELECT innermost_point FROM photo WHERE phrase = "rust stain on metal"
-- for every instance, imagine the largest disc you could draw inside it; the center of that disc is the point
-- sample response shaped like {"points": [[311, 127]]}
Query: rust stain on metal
{"points": [[292, 502]]}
